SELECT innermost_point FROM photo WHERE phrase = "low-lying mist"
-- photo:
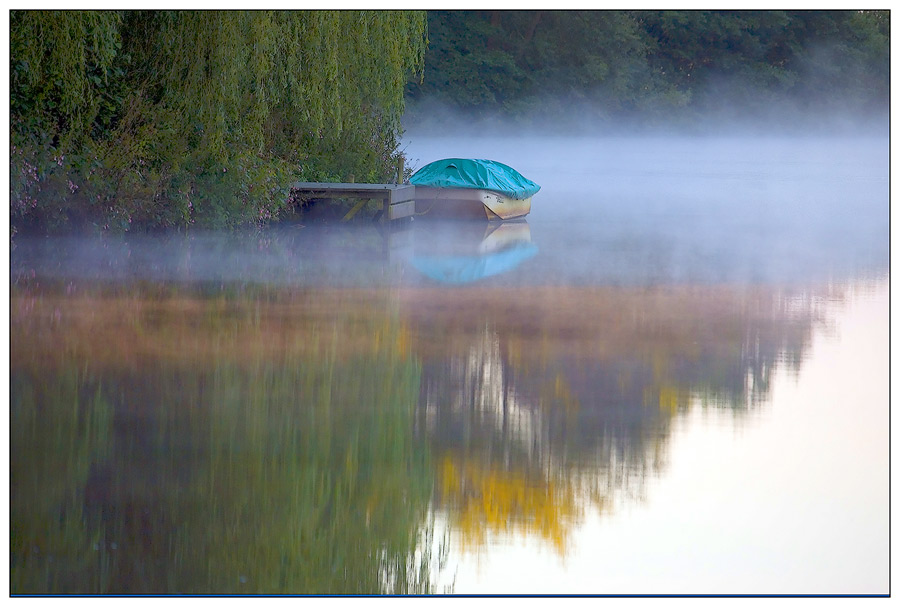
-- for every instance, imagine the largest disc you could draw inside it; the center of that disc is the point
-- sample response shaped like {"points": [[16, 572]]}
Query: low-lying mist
{"points": [[722, 109], [617, 206], [745, 203]]}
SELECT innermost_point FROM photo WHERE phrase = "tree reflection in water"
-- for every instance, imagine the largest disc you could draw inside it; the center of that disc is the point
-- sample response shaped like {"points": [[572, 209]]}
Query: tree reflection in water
{"points": [[170, 443], [169, 439], [545, 402]]}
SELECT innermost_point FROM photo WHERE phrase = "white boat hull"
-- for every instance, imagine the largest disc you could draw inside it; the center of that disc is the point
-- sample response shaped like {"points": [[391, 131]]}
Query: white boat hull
{"points": [[469, 202]]}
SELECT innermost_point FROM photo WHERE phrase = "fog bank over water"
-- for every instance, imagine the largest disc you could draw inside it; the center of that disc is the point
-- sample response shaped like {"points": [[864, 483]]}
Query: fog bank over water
{"points": [[646, 208], [721, 110], [639, 210]]}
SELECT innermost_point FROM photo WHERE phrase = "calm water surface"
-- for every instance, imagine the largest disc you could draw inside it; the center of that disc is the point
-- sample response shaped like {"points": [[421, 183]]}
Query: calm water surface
{"points": [[672, 378]]}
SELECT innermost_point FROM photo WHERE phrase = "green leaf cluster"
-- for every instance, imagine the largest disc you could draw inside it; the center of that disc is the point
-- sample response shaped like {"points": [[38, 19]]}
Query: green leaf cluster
{"points": [[174, 118]]}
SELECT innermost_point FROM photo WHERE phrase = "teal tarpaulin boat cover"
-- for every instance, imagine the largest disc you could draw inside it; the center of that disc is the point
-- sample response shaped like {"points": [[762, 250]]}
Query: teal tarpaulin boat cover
{"points": [[477, 174]]}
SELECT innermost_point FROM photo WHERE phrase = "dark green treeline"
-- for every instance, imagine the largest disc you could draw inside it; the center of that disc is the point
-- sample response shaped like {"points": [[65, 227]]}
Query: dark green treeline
{"points": [[656, 65], [161, 119]]}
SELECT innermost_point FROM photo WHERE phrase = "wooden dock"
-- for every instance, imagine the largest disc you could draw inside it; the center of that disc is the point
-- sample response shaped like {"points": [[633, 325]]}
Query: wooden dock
{"points": [[398, 198]]}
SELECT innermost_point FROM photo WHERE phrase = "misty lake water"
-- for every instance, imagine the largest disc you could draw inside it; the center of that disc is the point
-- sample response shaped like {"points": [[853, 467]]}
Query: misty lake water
{"points": [[671, 378]]}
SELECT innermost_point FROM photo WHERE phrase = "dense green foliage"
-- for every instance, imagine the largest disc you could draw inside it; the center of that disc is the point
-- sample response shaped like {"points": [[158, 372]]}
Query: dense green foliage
{"points": [[179, 118], [653, 64]]}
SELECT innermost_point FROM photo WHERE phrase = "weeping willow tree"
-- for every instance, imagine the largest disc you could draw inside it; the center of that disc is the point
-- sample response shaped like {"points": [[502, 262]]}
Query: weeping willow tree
{"points": [[173, 118], [60, 64]]}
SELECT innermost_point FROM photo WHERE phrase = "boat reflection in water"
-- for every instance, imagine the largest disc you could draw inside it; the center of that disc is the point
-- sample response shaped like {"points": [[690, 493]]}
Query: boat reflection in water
{"points": [[461, 252]]}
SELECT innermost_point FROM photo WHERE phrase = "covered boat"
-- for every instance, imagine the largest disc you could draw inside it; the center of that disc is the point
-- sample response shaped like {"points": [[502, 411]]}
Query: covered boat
{"points": [[462, 187]]}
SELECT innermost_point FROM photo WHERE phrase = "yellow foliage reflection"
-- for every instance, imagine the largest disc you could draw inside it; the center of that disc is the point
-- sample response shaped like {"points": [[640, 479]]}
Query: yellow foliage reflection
{"points": [[492, 500], [671, 399]]}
